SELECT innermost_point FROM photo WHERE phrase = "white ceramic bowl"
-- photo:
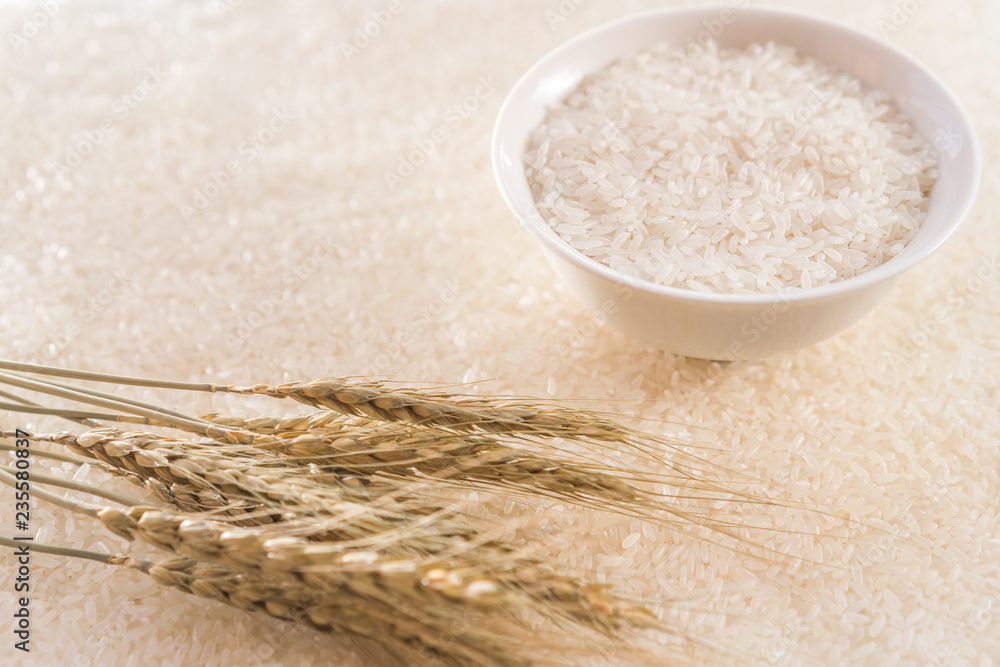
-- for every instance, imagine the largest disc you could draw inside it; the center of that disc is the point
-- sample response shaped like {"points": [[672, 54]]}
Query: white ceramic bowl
{"points": [[727, 326]]}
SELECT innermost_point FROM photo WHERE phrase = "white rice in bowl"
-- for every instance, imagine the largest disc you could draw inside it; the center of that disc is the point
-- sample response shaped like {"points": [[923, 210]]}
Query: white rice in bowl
{"points": [[735, 171]]}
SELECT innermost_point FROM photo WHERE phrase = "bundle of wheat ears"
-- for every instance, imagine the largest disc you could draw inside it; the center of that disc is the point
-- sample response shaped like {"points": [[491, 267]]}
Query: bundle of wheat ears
{"points": [[339, 518]]}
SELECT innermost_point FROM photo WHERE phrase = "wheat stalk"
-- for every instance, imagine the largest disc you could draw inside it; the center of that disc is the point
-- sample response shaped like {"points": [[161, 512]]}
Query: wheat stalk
{"points": [[352, 452], [319, 422], [412, 636], [445, 453], [370, 450], [419, 638], [364, 448], [341, 503], [199, 479], [424, 408], [462, 576], [373, 398], [414, 596], [327, 524]]}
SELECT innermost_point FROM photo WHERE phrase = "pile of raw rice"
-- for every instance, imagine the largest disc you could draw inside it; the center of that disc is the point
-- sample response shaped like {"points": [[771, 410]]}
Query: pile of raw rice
{"points": [[731, 170], [307, 265]]}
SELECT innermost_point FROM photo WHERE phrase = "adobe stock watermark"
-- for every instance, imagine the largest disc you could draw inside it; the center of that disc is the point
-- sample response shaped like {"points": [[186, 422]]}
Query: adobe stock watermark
{"points": [[223, 7], [374, 22], [930, 325], [452, 119], [565, 9], [982, 617], [810, 107], [753, 328], [879, 548], [443, 640], [290, 281], [698, 43], [523, 215], [780, 649], [423, 318], [584, 334], [947, 141], [900, 15], [271, 645], [612, 138], [34, 23], [822, 436], [248, 151], [85, 313], [273, 635], [75, 153], [106, 634]]}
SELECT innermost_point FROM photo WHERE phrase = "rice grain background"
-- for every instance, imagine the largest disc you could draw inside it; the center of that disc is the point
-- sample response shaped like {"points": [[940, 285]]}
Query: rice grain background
{"points": [[223, 190]]}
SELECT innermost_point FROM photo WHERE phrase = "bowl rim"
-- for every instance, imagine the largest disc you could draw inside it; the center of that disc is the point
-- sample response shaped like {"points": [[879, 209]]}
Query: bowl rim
{"points": [[533, 220]]}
